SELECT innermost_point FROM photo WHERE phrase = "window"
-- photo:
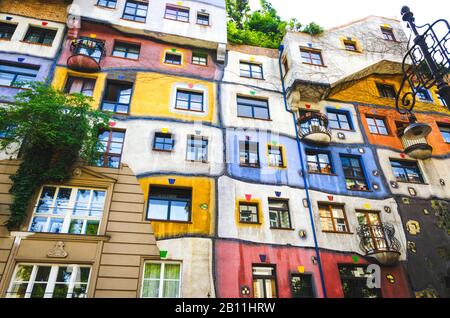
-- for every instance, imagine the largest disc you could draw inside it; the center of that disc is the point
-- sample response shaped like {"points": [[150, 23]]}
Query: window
{"points": [[161, 280], [253, 108], [302, 286], [333, 218], [200, 58], [197, 149], [70, 210], [285, 65], [117, 97], [172, 58], [126, 50], [135, 11], [386, 91], [374, 236], [107, 3], [377, 126], [445, 132], [279, 214], [311, 57], [354, 174], [424, 95], [112, 142], [249, 154], [248, 213], [188, 100], [90, 47], [37, 35], [49, 281], [12, 74], [354, 282], [388, 34], [163, 142], [251, 70], [406, 171], [350, 46], [339, 120], [202, 18], [177, 13], [7, 30], [276, 156], [80, 85], [169, 204], [318, 162], [264, 282]]}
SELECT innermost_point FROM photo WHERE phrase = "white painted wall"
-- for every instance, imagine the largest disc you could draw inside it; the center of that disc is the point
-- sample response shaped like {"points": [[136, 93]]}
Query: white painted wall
{"points": [[280, 120], [139, 155], [232, 190], [271, 73], [432, 170], [157, 25], [15, 45], [195, 254], [350, 242], [336, 59]]}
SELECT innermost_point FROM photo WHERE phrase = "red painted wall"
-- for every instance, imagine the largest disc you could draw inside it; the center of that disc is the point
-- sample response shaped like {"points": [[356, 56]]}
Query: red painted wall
{"points": [[234, 260], [150, 57], [330, 261]]}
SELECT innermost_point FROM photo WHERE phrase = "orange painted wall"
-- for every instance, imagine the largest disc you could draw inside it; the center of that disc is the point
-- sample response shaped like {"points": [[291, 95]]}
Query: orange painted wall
{"points": [[390, 116]]}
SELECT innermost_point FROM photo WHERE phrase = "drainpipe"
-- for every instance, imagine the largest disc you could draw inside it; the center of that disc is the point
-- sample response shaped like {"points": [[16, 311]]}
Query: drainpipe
{"points": [[305, 180]]}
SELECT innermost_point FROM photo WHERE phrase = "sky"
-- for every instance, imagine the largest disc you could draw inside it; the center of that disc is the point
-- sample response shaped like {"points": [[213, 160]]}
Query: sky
{"points": [[331, 13]]}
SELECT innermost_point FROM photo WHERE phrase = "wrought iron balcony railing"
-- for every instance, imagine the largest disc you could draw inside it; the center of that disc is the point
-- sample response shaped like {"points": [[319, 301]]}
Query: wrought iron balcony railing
{"points": [[380, 242], [313, 127], [86, 55]]}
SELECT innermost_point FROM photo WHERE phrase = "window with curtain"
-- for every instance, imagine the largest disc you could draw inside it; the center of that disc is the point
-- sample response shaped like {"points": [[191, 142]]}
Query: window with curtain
{"points": [[279, 214], [264, 282], [276, 156], [49, 281], [69, 210], [161, 280], [80, 85], [333, 218]]}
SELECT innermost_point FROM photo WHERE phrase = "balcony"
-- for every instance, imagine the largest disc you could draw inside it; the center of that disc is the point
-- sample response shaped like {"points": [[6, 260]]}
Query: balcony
{"points": [[313, 128], [86, 55], [379, 241], [417, 148]]}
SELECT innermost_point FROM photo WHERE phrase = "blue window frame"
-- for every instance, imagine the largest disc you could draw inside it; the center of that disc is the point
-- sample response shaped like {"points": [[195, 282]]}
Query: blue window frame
{"points": [[319, 162], [169, 204], [188, 100], [163, 142], [339, 119], [117, 97], [355, 178], [135, 11], [107, 3], [11, 74]]}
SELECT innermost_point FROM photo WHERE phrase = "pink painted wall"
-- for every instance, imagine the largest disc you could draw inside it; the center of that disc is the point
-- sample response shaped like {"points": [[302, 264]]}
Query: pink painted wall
{"points": [[150, 55], [234, 260]]}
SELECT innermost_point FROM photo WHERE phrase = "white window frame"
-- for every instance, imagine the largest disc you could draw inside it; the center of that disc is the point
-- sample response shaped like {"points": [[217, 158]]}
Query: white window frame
{"points": [[67, 217], [161, 278], [51, 282]]}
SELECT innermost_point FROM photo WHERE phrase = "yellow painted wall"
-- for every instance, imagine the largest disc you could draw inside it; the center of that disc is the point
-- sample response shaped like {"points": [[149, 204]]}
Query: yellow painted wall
{"points": [[152, 96], [61, 75], [202, 221], [52, 10], [365, 91]]}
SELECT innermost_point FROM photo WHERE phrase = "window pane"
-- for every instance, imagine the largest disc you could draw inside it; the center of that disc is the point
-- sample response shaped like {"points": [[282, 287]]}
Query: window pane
{"points": [[179, 211], [158, 209]]}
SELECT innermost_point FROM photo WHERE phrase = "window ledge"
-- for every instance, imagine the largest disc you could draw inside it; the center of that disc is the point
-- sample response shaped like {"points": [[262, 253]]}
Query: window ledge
{"points": [[170, 221], [249, 223], [247, 166], [244, 117], [282, 228], [59, 236], [337, 232], [415, 183], [323, 174]]}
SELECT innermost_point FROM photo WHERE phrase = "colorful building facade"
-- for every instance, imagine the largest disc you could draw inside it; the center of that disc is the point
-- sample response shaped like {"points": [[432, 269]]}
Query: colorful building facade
{"points": [[229, 171]]}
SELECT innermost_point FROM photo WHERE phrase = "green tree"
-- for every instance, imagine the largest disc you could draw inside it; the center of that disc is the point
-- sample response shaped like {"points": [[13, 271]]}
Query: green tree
{"points": [[54, 130], [263, 27]]}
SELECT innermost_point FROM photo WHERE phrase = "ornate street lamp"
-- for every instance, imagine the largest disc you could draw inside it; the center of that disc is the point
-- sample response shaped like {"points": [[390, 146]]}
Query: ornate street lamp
{"points": [[425, 65]]}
